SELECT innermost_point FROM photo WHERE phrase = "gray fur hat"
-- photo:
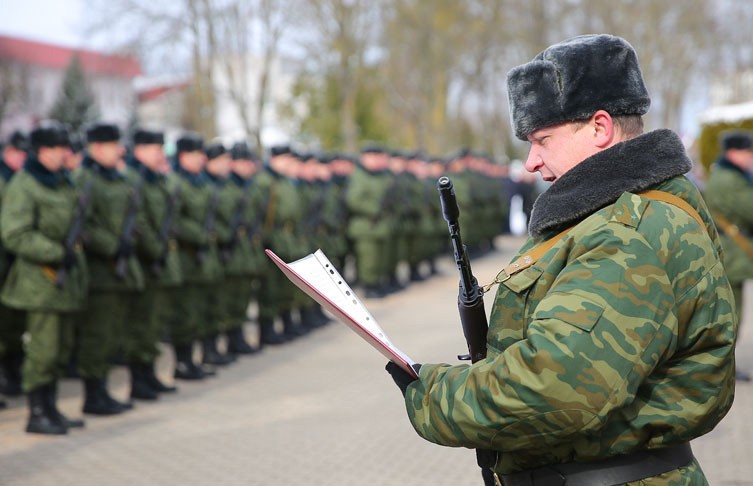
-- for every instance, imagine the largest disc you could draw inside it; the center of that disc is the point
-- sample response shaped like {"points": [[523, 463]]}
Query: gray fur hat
{"points": [[572, 80]]}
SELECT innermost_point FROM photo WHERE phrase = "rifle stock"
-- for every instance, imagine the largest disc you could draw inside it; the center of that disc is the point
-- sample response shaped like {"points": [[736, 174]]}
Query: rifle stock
{"points": [[470, 306], [129, 224], [74, 232]]}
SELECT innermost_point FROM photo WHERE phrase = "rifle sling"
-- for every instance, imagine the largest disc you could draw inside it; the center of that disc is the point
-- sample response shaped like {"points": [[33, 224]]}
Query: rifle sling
{"points": [[532, 256], [731, 230]]}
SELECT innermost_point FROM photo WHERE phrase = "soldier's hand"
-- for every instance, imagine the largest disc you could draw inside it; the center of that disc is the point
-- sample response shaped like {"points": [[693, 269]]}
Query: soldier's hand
{"points": [[401, 377]]}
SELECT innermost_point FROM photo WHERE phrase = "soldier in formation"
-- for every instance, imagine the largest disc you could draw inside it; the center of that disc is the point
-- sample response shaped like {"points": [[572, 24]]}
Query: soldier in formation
{"points": [[729, 195]]}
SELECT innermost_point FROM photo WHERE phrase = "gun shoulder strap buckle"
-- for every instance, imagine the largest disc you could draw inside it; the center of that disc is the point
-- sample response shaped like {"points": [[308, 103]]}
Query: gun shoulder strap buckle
{"points": [[531, 257]]}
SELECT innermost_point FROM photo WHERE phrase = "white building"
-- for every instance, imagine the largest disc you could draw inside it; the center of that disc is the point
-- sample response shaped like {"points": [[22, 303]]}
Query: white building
{"points": [[36, 71]]}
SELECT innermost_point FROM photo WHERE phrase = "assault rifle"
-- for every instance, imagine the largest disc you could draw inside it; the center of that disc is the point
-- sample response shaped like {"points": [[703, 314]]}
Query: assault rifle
{"points": [[470, 305], [164, 230], [74, 232], [235, 224], [125, 247], [209, 220]]}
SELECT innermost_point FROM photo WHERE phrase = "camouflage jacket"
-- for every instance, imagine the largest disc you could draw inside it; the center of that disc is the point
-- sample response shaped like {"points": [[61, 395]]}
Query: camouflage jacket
{"points": [[283, 217], [370, 200], [37, 210], [729, 192], [195, 228], [110, 197], [620, 338], [159, 258], [5, 257]]}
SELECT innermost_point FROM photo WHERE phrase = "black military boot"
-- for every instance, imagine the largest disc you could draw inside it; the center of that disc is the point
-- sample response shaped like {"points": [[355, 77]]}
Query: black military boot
{"points": [[433, 267], [41, 420], [415, 274], [185, 368], [237, 344], [324, 319], [141, 389], [154, 382], [212, 355], [268, 335], [97, 401], [51, 396], [291, 330], [10, 375]]}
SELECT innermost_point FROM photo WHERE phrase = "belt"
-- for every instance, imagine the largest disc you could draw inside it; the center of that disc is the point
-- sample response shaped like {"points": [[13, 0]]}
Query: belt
{"points": [[606, 472]]}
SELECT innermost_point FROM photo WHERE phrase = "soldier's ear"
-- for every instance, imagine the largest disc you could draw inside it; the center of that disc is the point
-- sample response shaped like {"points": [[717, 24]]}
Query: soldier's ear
{"points": [[602, 126]]}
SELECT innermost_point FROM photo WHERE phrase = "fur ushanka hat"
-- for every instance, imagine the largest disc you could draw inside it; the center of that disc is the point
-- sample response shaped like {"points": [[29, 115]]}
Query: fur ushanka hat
{"points": [[572, 80]]}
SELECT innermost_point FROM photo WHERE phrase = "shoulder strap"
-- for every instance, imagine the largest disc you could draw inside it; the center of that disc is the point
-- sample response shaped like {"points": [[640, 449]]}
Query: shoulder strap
{"points": [[530, 257], [733, 232]]}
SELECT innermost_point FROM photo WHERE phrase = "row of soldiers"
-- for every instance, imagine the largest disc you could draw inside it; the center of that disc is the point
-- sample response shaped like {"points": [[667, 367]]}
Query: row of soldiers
{"points": [[113, 251]]}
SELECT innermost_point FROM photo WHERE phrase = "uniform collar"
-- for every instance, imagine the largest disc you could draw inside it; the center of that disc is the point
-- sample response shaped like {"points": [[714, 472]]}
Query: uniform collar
{"points": [[42, 174], [630, 166]]}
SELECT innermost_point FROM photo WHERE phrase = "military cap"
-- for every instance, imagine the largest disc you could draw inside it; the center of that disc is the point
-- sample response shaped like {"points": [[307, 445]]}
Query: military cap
{"points": [[241, 151], [737, 140], [49, 134], [18, 141], [189, 142], [372, 148], [280, 150], [572, 80], [214, 149], [148, 137], [102, 132]]}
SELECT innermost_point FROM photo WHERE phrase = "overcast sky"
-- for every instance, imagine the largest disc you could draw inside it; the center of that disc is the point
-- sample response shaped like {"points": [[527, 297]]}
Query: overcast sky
{"points": [[56, 21]]}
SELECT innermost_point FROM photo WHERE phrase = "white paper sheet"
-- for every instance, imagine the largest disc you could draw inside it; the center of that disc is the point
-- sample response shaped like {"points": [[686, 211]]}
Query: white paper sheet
{"points": [[317, 277]]}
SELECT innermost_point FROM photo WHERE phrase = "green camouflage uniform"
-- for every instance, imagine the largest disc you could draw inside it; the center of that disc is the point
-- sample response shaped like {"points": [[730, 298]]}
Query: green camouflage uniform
{"points": [[162, 273], [729, 192], [281, 225], [103, 326], [13, 320], [620, 338], [370, 227], [199, 257], [37, 210]]}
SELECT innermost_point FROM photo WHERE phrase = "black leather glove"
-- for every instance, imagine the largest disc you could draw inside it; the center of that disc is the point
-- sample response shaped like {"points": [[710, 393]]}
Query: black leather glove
{"points": [[401, 377]]}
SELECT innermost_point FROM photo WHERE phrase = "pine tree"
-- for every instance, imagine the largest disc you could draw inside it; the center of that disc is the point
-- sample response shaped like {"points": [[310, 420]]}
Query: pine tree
{"points": [[75, 105]]}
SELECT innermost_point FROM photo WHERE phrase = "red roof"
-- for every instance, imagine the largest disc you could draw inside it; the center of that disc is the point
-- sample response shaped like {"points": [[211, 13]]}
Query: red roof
{"points": [[156, 92], [58, 57]]}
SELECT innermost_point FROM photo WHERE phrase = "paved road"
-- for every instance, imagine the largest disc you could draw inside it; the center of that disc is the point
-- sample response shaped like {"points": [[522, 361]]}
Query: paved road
{"points": [[318, 411]]}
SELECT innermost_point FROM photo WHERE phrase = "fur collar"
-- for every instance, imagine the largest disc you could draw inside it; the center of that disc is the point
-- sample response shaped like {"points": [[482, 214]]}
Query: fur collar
{"points": [[630, 166]]}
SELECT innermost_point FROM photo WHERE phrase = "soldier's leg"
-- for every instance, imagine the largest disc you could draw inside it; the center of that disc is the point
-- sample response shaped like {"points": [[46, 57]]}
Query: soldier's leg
{"points": [[238, 290], [268, 307], [98, 336], [141, 338], [737, 292], [40, 370], [12, 327], [370, 261], [160, 314], [214, 314], [390, 257], [185, 330]]}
